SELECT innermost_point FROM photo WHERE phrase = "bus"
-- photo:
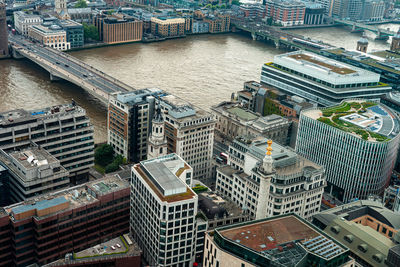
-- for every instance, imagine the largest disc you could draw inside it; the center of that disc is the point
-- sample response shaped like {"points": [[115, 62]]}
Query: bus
{"points": [[224, 156]]}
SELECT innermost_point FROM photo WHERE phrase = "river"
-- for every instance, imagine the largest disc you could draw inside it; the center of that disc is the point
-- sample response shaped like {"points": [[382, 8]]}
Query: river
{"points": [[203, 69]]}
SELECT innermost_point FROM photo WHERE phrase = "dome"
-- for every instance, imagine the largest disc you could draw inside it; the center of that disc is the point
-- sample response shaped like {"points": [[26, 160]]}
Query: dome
{"points": [[397, 35], [363, 39]]}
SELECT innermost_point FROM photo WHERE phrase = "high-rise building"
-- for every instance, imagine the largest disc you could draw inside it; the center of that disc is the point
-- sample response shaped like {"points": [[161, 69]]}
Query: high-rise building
{"points": [[373, 10], [3, 31], [129, 122], [368, 229], [190, 133], [286, 13], [314, 13], [163, 211], [33, 171], [157, 141], [64, 131], [320, 79], [357, 142], [348, 9], [278, 183], [285, 240], [44, 229]]}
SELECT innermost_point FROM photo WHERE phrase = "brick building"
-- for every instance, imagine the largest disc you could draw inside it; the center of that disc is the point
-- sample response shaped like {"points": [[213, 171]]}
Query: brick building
{"points": [[286, 12], [218, 23], [118, 28], [168, 27], [44, 229]]}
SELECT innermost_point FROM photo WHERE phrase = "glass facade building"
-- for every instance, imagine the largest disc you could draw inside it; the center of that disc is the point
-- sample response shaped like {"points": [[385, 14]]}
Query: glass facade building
{"points": [[358, 160]]}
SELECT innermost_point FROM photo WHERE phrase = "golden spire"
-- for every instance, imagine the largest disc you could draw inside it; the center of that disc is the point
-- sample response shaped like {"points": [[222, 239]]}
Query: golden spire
{"points": [[269, 148]]}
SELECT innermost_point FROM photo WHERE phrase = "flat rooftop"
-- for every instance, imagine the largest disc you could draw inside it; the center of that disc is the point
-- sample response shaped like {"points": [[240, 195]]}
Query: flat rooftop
{"points": [[48, 204], [182, 110], [282, 232], [242, 113], [33, 157], [165, 177], [18, 115], [325, 69], [368, 120]]}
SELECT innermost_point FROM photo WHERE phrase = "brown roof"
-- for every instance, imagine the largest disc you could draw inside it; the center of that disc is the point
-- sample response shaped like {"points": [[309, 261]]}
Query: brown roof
{"points": [[336, 69], [269, 234], [178, 197]]}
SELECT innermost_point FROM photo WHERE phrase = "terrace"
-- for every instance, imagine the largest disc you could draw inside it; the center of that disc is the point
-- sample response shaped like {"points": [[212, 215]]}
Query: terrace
{"points": [[366, 120]]}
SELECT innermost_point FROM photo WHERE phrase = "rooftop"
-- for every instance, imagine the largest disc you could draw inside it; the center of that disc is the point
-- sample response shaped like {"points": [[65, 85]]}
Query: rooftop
{"points": [[325, 69], [242, 113], [365, 119], [33, 157], [165, 176], [215, 207], [47, 204], [11, 117], [285, 239]]}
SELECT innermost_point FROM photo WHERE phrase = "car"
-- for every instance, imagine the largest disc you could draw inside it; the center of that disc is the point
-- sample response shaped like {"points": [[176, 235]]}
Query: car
{"points": [[58, 63], [112, 247], [84, 75], [66, 65], [118, 245]]}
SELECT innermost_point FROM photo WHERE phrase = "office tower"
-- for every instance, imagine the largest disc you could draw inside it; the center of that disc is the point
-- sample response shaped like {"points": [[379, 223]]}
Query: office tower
{"points": [[163, 211], [33, 171], [23, 20], [3, 31], [290, 183], [357, 143], [44, 229], [64, 131], [321, 80], [285, 240], [129, 122]]}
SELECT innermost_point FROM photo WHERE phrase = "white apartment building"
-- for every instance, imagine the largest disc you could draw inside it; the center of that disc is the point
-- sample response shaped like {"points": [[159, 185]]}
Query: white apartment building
{"points": [[163, 211], [34, 171], [22, 21], [295, 184], [190, 134], [53, 36]]}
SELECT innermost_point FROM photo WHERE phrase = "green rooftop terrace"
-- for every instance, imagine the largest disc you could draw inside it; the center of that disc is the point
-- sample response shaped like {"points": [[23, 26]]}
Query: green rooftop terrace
{"points": [[242, 114], [332, 115]]}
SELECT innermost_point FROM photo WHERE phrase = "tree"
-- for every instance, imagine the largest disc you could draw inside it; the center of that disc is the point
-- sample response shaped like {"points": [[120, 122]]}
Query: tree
{"points": [[90, 32], [104, 155], [236, 2], [114, 166], [208, 6], [81, 4]]}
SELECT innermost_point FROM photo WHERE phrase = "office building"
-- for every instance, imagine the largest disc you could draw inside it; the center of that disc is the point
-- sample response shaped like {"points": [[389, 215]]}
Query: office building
{"points": [[395, 44], [327, 5], [253, 10], [220, 22], [356, 141], [53, 36], [168, 26], [118, 252], [190, 133], [4, 186], [321, 80], [74, 31], [163, 211], [285, 12], [373, 10], [64, 131], [129, 122], [233, 120], [23, 20], [294, 184], [369, 230], [314, 13], [44, 229], [3, 31], [285, 240], [118, 28], [33, 171]]}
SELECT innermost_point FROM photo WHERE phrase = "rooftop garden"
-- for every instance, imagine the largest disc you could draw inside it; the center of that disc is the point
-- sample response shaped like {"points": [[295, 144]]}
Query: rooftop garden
{"points": [[331, 116]]}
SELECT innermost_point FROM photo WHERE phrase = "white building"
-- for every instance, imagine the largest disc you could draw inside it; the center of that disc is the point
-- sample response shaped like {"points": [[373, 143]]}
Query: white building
{"points": [[157, 144], [294, 184], [163, 211], [53, 36], [320, 79], [22, 21]]}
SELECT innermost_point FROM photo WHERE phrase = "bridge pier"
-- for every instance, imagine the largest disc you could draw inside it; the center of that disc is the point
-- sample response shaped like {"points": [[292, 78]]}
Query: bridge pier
{"points": [[276, 42], [254, 36], [381, 36], [16, 55], [54, 78]]}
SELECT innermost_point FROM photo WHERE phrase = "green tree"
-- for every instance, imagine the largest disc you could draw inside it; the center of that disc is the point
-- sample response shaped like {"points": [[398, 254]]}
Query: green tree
{"points": [[104, 155], [223, 6], [114, 166], [236, 2], [208, 6], [90, 32], [81, 4]]}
